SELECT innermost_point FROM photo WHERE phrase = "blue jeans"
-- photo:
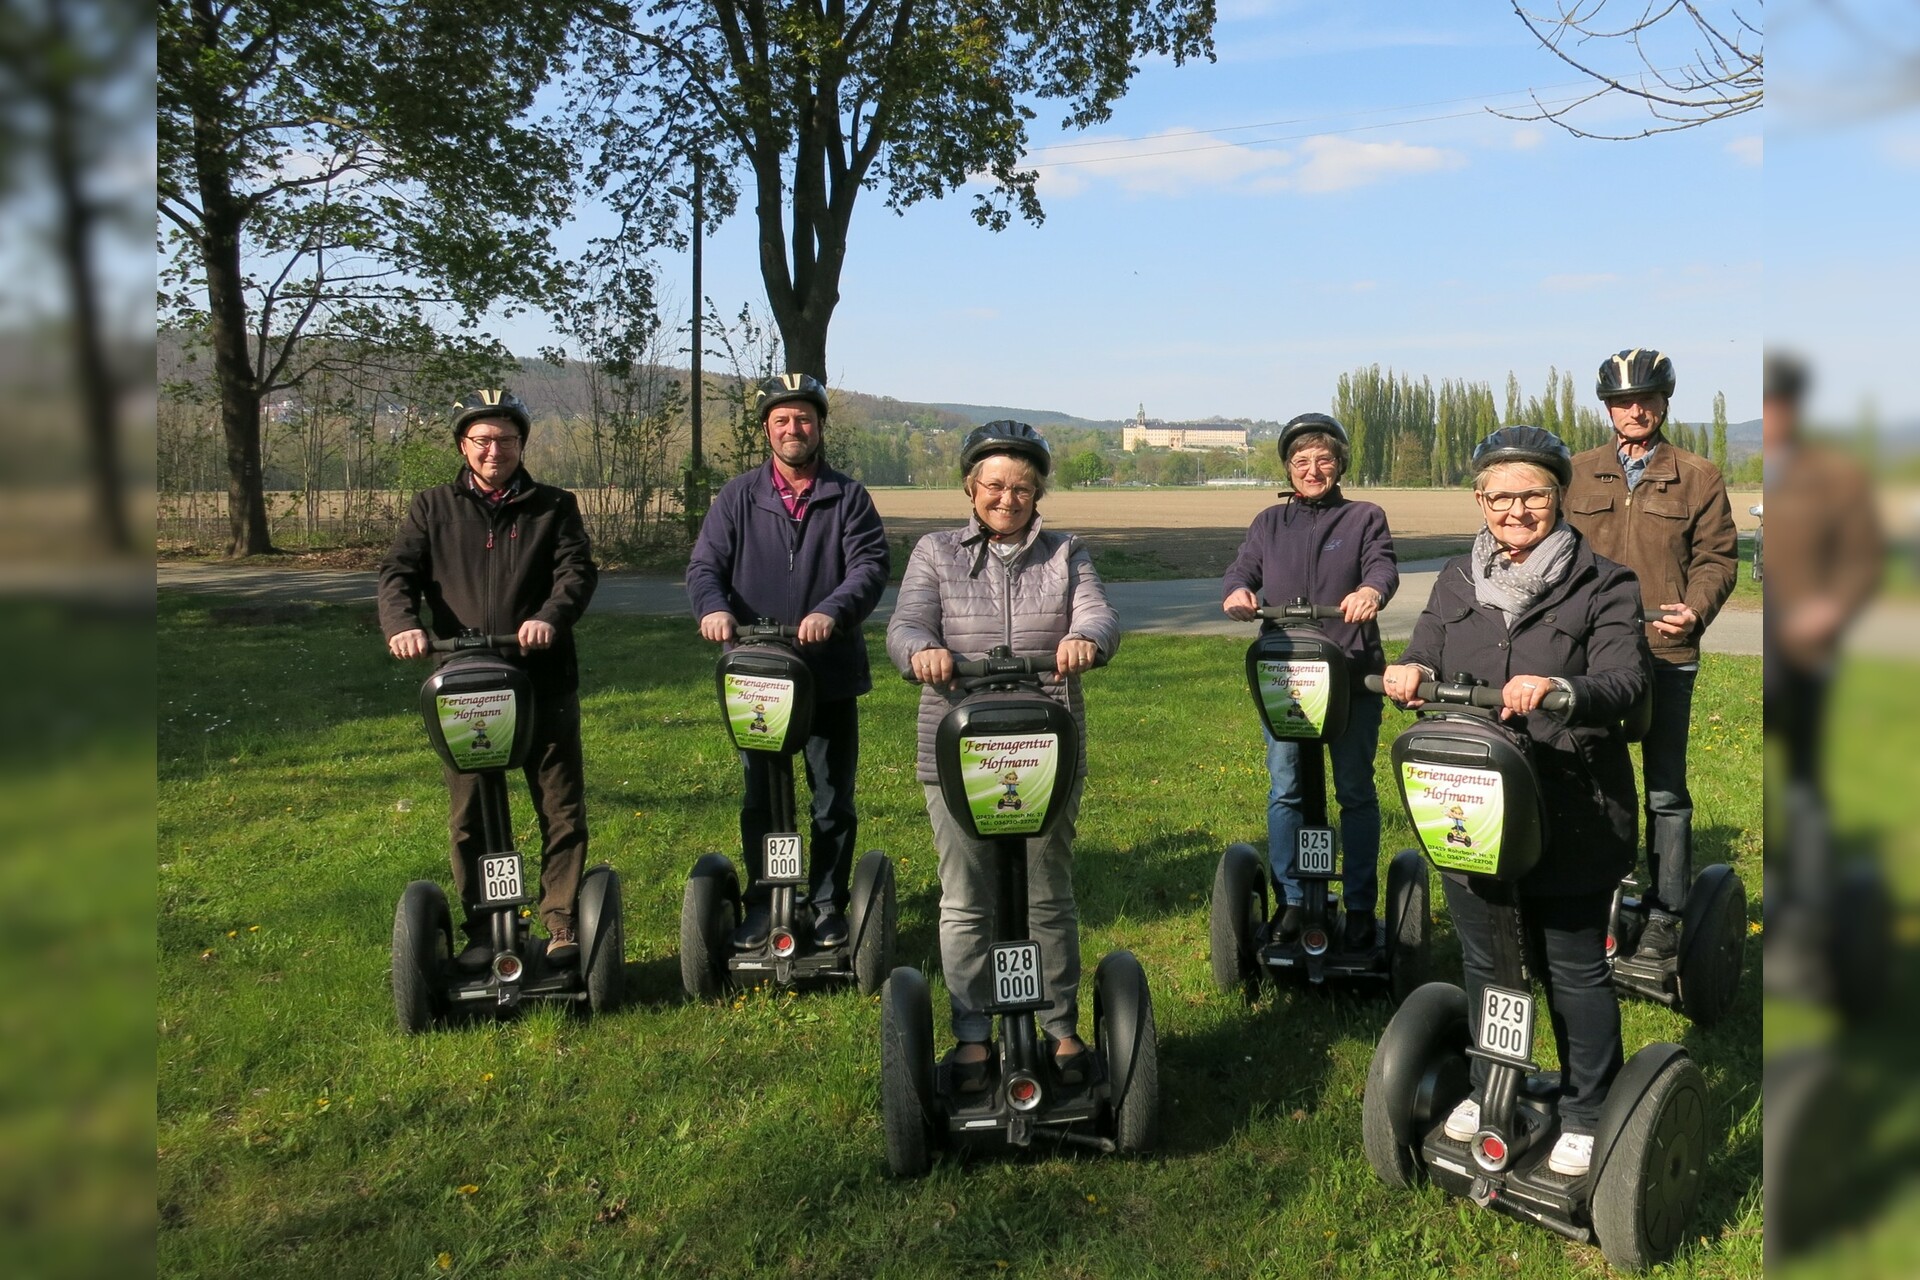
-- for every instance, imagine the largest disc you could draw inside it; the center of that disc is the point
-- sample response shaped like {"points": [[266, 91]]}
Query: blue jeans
{"points": [[832, 758], [1669, 804], [1351, 756]]}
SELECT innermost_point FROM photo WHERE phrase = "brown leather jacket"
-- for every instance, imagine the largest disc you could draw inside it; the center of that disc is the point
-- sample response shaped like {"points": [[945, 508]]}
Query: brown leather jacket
{"points": [[1675, 531], [1823, 541]]}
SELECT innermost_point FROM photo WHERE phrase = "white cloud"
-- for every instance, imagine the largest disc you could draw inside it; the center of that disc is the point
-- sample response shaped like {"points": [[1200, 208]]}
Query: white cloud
{"points": [[1173, 162], [1526, 139], [1747, 150], [1340, 164], [1903, 150], [1579, 283]]}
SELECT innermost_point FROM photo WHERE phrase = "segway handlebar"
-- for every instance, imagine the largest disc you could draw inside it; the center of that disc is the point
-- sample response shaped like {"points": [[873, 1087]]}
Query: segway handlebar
{"points": [[1299, 610], [1460, 693], [764, 630], [475, 643], [1029, 665]]}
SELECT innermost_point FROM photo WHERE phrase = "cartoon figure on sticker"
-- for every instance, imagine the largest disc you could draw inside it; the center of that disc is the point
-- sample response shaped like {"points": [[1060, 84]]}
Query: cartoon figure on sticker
{"points": [[480, 740], [759, 722], [1294, 709], [1010, 785], [1458, 833]]}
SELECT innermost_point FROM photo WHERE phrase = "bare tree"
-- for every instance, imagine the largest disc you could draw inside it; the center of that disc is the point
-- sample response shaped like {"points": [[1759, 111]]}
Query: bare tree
{"points": [[1719, 72]]}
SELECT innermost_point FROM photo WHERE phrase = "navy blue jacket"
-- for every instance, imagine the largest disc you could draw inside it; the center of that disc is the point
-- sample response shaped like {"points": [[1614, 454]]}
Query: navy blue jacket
{"points": [[1324, 551], [755, 561]]}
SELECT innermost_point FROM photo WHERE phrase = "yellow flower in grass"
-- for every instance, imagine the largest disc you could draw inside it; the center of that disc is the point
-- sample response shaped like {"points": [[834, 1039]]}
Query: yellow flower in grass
{"points": [[444, 1261], [468, 1189]]}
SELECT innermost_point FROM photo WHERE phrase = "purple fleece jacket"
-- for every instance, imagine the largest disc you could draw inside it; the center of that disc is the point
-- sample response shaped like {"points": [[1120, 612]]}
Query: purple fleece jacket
{"points": [[755, 561], [1324, 551]]}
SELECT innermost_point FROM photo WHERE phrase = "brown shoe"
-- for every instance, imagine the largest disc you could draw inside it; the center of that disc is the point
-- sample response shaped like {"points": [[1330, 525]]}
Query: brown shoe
{"points": [[563, 946]]}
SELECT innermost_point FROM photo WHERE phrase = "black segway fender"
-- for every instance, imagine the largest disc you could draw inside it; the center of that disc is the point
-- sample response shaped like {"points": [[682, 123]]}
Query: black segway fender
{"points": [[709, 908], [1431, 1023], [872, 909], [1120, 997], [590, 913], [1629, 1087], [1713, 939]]}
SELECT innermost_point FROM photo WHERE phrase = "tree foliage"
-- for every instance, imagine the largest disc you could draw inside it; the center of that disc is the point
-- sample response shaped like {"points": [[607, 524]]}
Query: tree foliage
{"points": [[341, 175], [807, 105]]}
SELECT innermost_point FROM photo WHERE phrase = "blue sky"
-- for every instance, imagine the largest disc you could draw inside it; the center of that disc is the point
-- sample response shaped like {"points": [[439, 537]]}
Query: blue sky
{"points": [[1357, 206]]}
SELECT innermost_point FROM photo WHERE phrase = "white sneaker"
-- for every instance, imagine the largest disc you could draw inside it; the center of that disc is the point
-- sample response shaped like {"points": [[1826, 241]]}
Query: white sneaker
{"points": [[1465, 1121], [1572, 1155]]}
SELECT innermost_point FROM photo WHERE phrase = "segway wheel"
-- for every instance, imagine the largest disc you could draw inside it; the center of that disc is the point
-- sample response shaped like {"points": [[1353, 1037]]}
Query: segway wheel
{"points": [[1409, 923], [1861, 941], [604, 953], [709, 912], [1418, 1074], [422, 956], [1807, 1127], [874, 912], [1713, 948], [1645, 1197], [1124, 1034], [906, 1072], [1238, 913]]}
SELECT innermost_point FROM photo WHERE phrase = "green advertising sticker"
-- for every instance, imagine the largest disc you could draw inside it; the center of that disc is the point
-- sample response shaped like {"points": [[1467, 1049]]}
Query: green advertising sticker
{"points": [[1295, 695], [758, 710], [478, 728], [1458, 813], [1009, 781]]}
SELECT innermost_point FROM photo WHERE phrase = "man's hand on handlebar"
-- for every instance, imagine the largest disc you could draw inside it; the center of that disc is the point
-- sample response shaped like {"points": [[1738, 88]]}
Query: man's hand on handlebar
{"points": [[1361, 605], [717, 626], [1240, 605], [535, 634], [815, 628], [408, 644], [933, 666]]}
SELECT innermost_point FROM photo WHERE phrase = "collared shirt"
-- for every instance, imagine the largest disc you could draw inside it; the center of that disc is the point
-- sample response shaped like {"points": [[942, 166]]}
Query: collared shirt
{"points": [[1634, 466], [794, 500]]}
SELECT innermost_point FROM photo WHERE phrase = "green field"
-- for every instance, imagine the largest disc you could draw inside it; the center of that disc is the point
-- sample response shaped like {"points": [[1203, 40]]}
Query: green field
{"points": [[299, 1134]]}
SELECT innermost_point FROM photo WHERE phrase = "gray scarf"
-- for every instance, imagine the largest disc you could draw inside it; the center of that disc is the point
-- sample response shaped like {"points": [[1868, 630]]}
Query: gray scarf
{"points": [[1511, 588]]}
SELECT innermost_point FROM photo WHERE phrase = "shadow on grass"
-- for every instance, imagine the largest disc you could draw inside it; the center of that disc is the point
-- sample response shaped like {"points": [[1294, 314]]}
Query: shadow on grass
{"points": [[1153, 879]]}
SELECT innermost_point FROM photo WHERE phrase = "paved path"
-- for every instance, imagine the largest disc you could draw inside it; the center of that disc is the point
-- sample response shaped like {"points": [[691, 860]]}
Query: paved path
{"points": [[1183, 606]]}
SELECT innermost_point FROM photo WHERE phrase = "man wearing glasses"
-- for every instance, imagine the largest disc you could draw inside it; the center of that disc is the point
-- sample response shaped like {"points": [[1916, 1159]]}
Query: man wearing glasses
{"points": [[1661, 511], [497, 552], [1320, 544]]}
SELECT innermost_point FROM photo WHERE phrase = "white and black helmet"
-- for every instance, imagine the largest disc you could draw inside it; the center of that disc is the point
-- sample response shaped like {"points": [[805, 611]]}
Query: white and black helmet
{"points": [[785, 387], [492, 403], [1634, 372], [1308, 424], [1006, 436]]}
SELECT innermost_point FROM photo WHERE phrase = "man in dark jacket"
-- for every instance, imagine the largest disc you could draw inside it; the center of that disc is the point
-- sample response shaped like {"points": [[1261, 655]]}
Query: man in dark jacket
{"points": [[1662, 511], [499, 553], [799, 543]]}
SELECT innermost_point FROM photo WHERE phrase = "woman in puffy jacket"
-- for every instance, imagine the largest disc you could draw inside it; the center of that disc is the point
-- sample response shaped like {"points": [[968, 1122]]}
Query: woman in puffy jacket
{"points": [[1002, 579]]}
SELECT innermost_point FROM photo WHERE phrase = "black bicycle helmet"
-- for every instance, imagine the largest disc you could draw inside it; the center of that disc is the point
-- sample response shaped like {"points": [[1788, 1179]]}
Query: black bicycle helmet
{"points": [[1006, 436], [1784, 376], [1316, 423], [1525, 444], [786, 387], [491, 404], [1633, 372]]}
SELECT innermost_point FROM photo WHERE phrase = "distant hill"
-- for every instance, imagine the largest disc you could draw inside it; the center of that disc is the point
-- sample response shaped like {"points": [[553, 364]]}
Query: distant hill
{"points": [[979, 413]]}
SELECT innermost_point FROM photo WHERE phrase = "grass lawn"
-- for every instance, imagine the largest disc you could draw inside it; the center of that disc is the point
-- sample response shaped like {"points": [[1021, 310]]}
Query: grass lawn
{"points": [[299, 1134]]}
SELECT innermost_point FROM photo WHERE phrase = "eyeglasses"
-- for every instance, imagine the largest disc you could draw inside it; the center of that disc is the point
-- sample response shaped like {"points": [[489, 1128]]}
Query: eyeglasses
{"points": [[1018, 492], [1320, 463], [495, 444], [1531, 499]]}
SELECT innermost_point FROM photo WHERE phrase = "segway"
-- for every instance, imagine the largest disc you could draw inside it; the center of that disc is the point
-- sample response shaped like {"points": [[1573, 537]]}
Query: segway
{"points": [[478, 708], [1006, 726], [766, 698], [1300, 681], [1702, 979], [1463, 772]]}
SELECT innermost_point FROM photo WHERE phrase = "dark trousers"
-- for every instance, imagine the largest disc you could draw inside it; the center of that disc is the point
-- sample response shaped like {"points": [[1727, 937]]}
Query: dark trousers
{"points": [[1798, 858], [1566, 949], [556, 775], [832, 756], [1669, 804]]}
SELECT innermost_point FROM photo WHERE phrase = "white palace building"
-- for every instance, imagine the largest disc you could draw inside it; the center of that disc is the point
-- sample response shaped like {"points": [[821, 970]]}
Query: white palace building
{"points": [[1185, 437]]}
